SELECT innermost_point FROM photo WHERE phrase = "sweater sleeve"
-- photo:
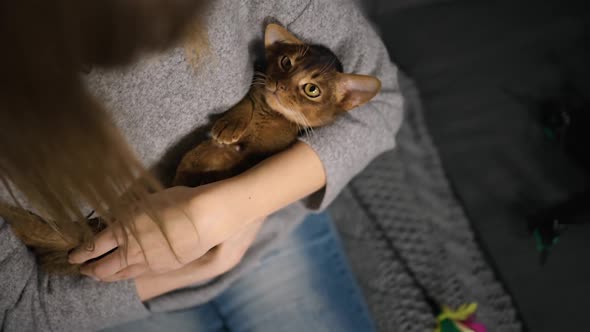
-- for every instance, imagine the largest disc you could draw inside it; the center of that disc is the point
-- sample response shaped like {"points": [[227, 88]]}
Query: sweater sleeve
{"points": [[33, 301], [355, 139]]}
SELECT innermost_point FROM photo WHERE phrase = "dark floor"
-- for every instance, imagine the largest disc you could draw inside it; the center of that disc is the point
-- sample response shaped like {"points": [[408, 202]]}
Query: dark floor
{"points": [[470, 59]]}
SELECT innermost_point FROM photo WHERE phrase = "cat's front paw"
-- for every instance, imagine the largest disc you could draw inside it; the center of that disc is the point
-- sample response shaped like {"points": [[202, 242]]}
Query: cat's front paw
{"points": [[229, 131]]}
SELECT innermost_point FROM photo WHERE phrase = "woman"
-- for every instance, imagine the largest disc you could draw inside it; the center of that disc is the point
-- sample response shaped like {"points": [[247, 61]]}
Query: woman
{"points": [[269, 271]]}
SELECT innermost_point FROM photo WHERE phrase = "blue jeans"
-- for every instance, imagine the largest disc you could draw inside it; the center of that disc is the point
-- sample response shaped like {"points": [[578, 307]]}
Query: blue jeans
{"points": [[305, 285]]}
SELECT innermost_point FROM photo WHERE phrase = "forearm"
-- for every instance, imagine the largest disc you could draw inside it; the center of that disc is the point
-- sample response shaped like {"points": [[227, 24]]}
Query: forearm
{"points": [[281, 180], [273, 184]]}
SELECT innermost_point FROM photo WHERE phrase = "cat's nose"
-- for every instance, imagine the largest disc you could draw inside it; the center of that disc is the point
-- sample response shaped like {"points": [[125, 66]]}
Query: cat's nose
{"points": [[282, 86]]}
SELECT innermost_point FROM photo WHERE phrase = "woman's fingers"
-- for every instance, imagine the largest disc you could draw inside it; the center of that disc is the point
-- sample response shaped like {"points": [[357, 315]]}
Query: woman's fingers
{"points": [[126, 254], [163, 245], [153, 252], [104, 242], [107, 266], [215, 262]]}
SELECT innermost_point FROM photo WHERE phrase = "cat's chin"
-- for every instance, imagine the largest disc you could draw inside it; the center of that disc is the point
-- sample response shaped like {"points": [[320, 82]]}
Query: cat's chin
{"points": [[274, 102]]}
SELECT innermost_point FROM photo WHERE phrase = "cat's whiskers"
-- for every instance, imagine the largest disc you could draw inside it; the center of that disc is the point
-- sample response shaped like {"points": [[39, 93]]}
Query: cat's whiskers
{"points": [[302, 124], [327, 66], [305, 51], [294, 117], [302, 50], [259, 74], [308, 128], [258, 80], [257, 85]]}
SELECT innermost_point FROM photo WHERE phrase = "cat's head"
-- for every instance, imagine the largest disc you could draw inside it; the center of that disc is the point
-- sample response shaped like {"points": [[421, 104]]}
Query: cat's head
{"points": [[305, 82]]}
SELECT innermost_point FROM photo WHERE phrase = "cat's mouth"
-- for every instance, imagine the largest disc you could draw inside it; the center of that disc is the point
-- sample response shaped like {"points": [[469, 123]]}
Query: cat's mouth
{"points": [[270, 86], [282, 108], [277, 99], [274, 101]]}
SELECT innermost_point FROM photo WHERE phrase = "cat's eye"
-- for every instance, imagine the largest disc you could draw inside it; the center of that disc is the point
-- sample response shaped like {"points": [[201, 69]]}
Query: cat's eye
{"points": [[311, 90], [285, 63]]}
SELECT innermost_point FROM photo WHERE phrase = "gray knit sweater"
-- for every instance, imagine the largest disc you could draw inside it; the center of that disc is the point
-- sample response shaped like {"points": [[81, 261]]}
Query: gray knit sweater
{"points": [[159, 104]]}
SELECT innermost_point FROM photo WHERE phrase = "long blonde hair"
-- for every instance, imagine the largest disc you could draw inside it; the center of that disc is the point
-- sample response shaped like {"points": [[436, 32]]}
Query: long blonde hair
{"points": [[59, 149]]}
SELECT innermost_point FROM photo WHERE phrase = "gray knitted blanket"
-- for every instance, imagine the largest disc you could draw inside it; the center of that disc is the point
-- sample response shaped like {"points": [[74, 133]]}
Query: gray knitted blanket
{"points": [[402, 204]]}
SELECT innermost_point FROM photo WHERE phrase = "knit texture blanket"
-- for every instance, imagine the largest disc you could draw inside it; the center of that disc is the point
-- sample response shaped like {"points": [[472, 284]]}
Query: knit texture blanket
{"points": [[402, 208]]}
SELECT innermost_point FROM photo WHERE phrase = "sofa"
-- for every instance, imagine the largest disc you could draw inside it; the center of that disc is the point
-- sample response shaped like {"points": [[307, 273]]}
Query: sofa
{"points": [[449, 205]]}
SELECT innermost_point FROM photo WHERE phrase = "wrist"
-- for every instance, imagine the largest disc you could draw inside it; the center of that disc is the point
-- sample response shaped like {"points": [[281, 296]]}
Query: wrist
{"points": [[224, 207], [278, 181], [220, 210]]}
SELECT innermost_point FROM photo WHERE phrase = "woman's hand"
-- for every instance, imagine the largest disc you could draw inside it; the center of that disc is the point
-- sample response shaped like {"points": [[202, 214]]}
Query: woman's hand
{"points": [[194, 220], [198, 219], [216, 262]]}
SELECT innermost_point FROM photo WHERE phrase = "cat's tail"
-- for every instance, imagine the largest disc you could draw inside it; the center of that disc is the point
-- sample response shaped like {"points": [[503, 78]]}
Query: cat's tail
{"points": [[210, 162], [51, 246]]}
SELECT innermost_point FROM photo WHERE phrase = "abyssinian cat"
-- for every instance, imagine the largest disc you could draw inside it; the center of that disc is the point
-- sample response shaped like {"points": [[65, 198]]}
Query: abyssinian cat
{"points": [[302, 87]]}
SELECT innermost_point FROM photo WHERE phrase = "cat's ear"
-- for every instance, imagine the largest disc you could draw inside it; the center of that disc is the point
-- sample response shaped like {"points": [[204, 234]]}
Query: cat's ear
{"points": [[275, 33], [355, 90]]}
